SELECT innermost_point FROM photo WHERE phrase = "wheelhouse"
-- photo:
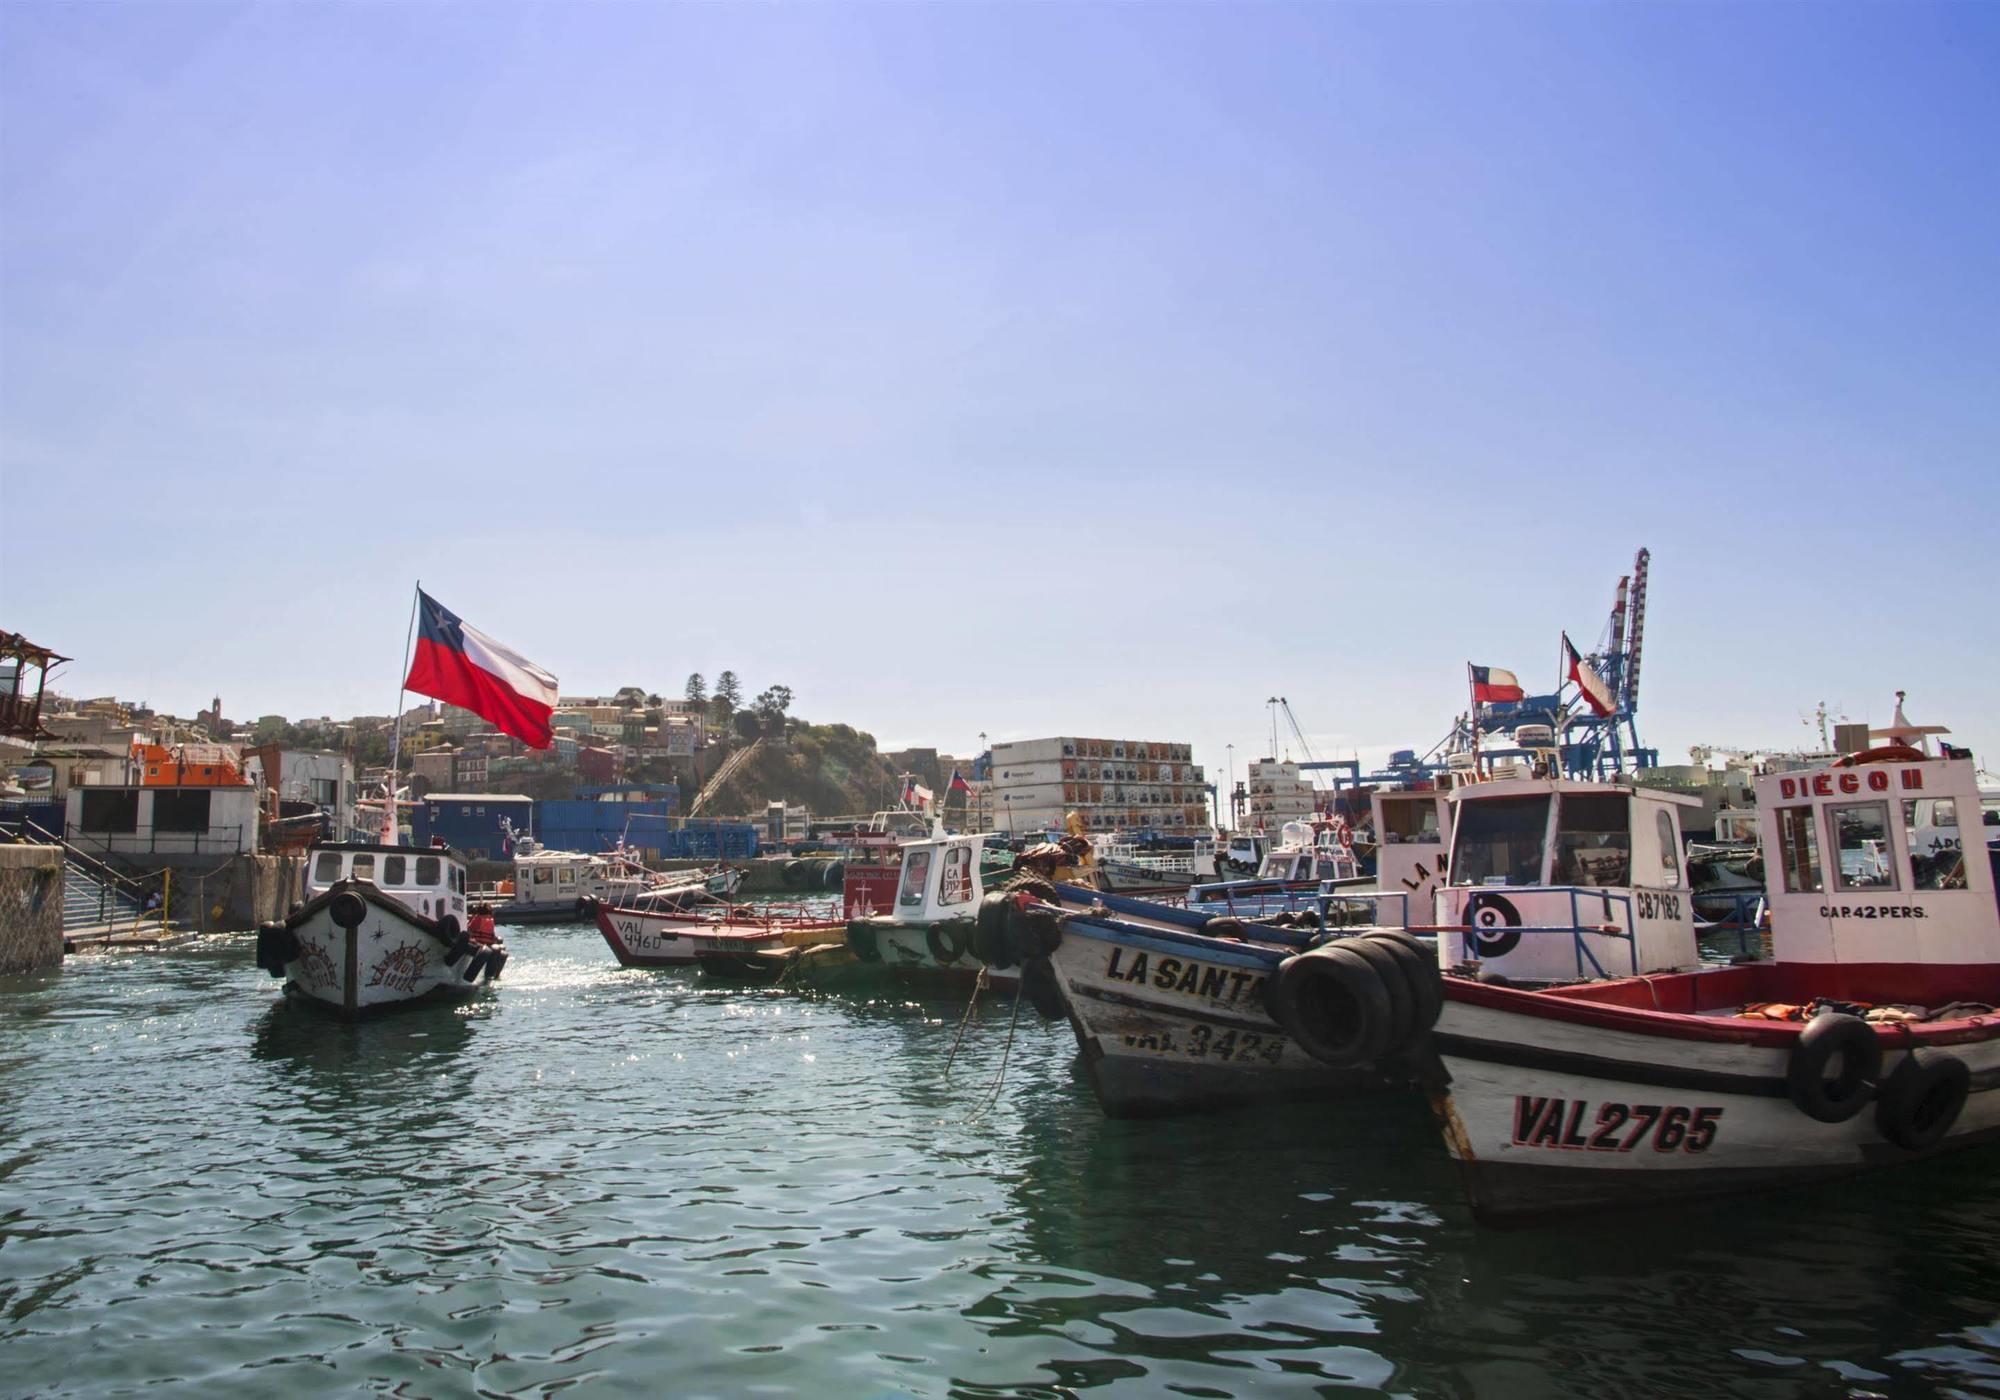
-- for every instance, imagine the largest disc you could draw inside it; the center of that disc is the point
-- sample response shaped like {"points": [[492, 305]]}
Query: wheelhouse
{"points": [[426, 880]]}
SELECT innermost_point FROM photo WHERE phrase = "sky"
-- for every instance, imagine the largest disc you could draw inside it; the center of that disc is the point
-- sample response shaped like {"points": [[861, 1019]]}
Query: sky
{"points": [[1010, 369]]}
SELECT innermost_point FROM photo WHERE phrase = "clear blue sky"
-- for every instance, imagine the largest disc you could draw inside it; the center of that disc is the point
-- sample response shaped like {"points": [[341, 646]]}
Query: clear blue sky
{"points": [[1021, 368]]}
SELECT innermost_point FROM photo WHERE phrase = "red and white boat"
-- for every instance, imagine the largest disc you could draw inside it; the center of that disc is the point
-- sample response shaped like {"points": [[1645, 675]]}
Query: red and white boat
{"points": [[1867, 1037]]}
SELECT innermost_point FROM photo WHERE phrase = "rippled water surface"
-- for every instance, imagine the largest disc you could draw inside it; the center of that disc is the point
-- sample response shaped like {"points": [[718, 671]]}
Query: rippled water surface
{"points": [[633, 1182]]}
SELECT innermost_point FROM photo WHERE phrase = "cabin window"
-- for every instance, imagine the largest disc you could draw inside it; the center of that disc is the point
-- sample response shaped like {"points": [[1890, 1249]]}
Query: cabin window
{"points": [[364, 867], [1670, 855], [458, 880], [185, 812], [543, 875], [565, 877], [1798, 851], [1594, 840], [395, 869], [916, 870], [109, 811], [955, 884], [427, 870], [1409, 821], [1862, 859], [1499, 841], [1936, 859], [326, 869]]}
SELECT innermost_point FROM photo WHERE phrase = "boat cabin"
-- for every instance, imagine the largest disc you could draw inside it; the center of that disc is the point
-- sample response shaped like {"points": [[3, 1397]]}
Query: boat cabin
{"points": [[1865, 864], [939, 879], [1410, 831], [1555, 880], [1308, 855], [427, 881]]}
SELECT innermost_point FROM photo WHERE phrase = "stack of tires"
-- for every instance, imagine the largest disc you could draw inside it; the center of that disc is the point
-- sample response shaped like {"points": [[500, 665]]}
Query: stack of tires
{"points": [[1014, 928], [1354, 1001]]}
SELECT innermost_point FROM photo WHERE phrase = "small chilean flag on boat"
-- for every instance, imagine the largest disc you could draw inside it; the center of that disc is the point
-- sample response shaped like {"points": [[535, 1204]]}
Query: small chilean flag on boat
{"points": [[958, 783], [463, 666], [1591, 685], [1491, 685]]}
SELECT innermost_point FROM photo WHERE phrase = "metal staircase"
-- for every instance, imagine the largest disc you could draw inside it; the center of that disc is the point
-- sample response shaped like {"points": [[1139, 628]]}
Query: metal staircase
{"points": [[96, 898], [728, 770]]}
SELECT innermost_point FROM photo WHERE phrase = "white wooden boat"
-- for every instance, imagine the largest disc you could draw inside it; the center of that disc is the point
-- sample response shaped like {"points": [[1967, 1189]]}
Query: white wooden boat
{"points": [[1566, 1088], [381, 926]]}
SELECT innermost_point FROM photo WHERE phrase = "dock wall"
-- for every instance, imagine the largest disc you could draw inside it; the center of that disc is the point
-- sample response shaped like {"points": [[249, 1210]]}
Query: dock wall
{"points": [[31, 908], [235, 894]]}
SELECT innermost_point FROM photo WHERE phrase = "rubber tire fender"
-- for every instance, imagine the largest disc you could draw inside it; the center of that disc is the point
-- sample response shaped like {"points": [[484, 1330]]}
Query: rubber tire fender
{"points": [[1828, 1036], [347, 909], [1333, 1005], [1222, 926], [834, 876], [1032, 934], [861, 939], [990, 943], [1420, 967], [1921, 1099], [474, 965], [496, 959], [1402, 1001], [946, 943], [448, 930], [460, 947], [1038, 985]]}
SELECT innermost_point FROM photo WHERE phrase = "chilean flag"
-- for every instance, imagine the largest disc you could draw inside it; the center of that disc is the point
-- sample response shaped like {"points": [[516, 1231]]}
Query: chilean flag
{"points": [[1491, 686], [1588, 683], [463, 666], [958, 784]]}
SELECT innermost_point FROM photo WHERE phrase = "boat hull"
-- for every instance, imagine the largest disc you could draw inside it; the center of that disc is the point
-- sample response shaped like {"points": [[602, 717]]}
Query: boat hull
{"points": [[640, 938], [1175, 1023], [1555, 1114], [389, 958], [939, 955]]}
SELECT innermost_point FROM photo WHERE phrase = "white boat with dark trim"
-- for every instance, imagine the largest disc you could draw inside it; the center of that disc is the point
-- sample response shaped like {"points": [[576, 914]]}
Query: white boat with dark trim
{"points": [[1867, 1039], [381, 926], [930, 932]]}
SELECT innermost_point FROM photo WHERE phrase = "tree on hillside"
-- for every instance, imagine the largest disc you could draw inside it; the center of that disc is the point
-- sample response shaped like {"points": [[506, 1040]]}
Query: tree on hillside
{"points": [[773, 703], [749, 725], [727, 687], [697, 689]]}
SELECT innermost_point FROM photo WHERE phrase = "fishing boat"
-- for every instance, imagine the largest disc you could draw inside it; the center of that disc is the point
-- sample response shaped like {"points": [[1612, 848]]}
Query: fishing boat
{"points": [[1586, 1060], [551, 887], [665, 937], [930, 932], [1122, 866], [381, 926]]}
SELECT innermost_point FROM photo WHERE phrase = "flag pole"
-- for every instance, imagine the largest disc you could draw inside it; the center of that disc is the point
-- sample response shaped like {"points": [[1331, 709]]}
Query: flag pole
{"points": [[389, 831], [1473, 693]]}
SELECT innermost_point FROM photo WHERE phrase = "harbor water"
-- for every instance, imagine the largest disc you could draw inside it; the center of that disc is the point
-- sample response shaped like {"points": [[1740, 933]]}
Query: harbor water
{"points": [[638, 1183]]}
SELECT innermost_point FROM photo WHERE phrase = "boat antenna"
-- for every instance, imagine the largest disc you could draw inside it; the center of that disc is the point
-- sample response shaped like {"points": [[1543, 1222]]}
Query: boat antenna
{"points": [[396, 735]]}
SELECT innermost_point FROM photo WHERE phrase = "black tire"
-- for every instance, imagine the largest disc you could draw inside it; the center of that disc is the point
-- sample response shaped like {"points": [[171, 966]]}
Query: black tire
{"points": [[1921, 1099], [861, 939], [1402, 1001], [1308, 918], [448, 929], [1497, 936], [1032, 934], [347, 909], [945, 943], [990, 943], [1834, 1038], [277, 946], [474, 965], [461, 946], [495, 961], [1332, 1003], [795, 875], [1038, 985], [1420, 969], [834, 875], [1223, 926]]}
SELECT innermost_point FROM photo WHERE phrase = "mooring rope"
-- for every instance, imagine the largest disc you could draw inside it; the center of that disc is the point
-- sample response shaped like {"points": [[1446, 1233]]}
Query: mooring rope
{"points": [[978, 986], [1005, 1050]]}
